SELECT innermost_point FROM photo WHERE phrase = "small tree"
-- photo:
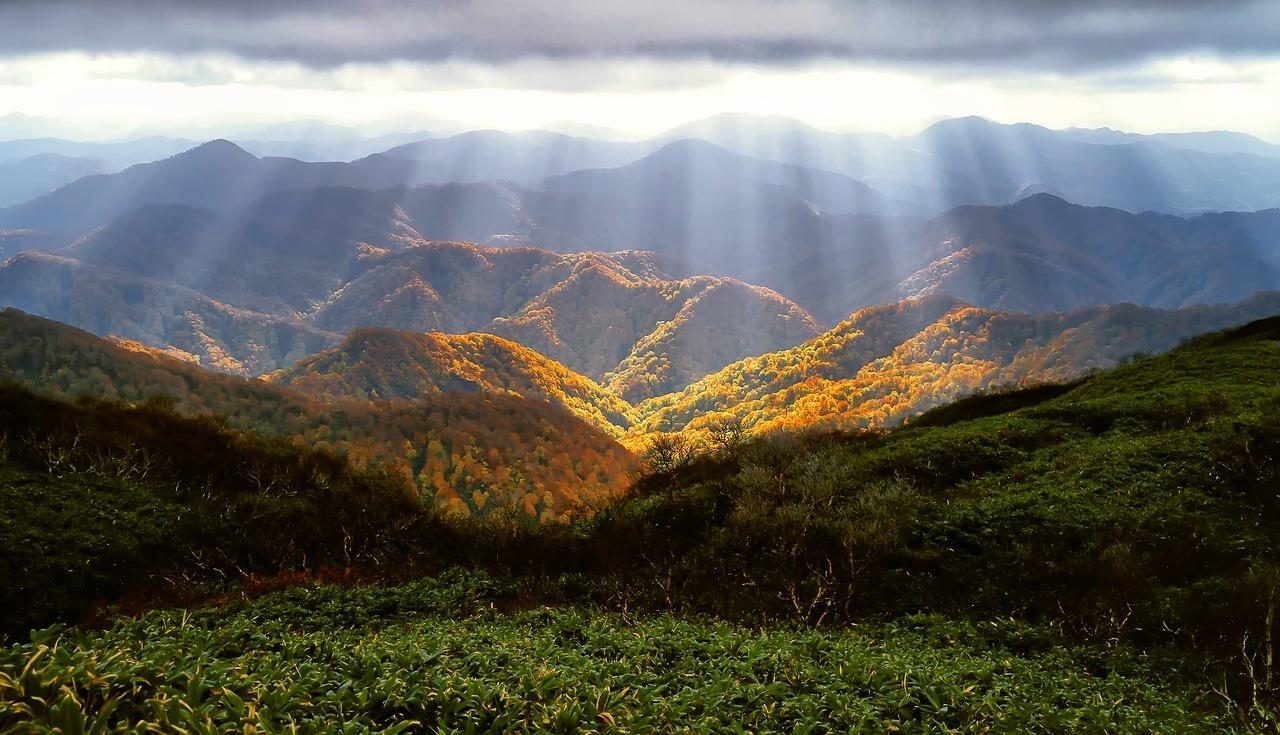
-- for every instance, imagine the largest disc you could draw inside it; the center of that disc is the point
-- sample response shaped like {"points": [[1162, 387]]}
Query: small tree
{"points": [[726, 435], [667, 453]]}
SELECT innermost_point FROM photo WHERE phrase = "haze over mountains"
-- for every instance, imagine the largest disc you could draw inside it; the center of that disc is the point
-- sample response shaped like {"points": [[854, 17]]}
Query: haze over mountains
{"points": [[254, 310], [647, 286], [24, 178], [708, 210], [1039, 254], [953, 162]]}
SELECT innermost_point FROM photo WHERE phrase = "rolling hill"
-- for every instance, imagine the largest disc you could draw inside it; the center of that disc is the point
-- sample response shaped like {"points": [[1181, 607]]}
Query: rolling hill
{"points": [[1136, 506], [887, 364], [592, 312], [16, 241], [602, 333], [1040, 254], [466, 452], [292, 250], [157, 313], [276, 264], [1044, 253], [383, 364], [1082, 556]]}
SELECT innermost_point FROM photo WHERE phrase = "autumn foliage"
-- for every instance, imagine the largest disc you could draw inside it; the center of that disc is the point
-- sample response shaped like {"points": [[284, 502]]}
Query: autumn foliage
{"points": [[469, 453]]}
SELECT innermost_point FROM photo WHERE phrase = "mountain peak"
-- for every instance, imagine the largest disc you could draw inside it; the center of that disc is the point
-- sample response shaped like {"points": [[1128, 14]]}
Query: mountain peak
{"points": [[1043, 201], [974, 126], [217, 149], [968, 122]]}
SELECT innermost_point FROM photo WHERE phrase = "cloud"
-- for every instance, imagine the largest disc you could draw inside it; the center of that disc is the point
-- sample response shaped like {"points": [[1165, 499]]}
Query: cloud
{"points": [[1055, 35]]}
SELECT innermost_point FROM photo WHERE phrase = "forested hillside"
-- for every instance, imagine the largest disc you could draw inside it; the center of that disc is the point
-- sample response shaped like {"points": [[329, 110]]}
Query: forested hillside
{"points": [[472, 453], [886, 364], [106, 502], [383, 364]]}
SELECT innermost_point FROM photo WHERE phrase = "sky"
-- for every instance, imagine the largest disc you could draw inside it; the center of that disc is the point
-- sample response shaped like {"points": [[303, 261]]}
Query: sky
{"points": [[95, 69]]}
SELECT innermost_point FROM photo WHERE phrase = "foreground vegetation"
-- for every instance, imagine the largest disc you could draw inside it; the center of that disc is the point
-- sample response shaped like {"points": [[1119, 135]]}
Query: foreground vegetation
{"points": [[101, 502], [1124, 529], [433, 655]]}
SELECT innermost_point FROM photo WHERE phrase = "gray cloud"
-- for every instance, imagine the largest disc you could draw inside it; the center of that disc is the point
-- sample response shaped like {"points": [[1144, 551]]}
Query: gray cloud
{"points": [[1059, 35]]}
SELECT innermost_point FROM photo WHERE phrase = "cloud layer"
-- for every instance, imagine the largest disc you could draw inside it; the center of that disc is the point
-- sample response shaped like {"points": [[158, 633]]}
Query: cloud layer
{"points": [[1058, 35]]}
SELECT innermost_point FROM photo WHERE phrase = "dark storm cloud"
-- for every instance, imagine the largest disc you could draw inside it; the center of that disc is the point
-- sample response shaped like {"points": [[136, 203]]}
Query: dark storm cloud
{"points": [[1062, 35]]}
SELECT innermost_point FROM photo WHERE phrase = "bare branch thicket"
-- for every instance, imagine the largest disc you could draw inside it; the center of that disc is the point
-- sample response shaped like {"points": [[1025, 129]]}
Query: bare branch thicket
{"points": [[726, 435], [667, 453]]}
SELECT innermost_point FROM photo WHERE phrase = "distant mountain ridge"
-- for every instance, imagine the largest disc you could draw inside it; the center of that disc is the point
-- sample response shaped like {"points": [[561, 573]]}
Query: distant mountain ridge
{"points": [[22, 179], [709, 211], [1210, 141], [954, 162], [215, 175], [332, 259], [972, 160], [257, 303], [525, 158], [1039, 254]]}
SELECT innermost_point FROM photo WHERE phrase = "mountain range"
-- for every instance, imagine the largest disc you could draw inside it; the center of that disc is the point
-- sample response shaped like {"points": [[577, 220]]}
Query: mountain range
{"points": [[22, 179], [463, 415], [973, 160], [702, 209], [757, 270], [252, 310], [951, 163]]}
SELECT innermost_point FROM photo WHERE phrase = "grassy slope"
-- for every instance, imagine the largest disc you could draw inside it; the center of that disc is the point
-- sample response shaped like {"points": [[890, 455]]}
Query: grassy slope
{"points": [[1138, 505], [434, 655]]}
